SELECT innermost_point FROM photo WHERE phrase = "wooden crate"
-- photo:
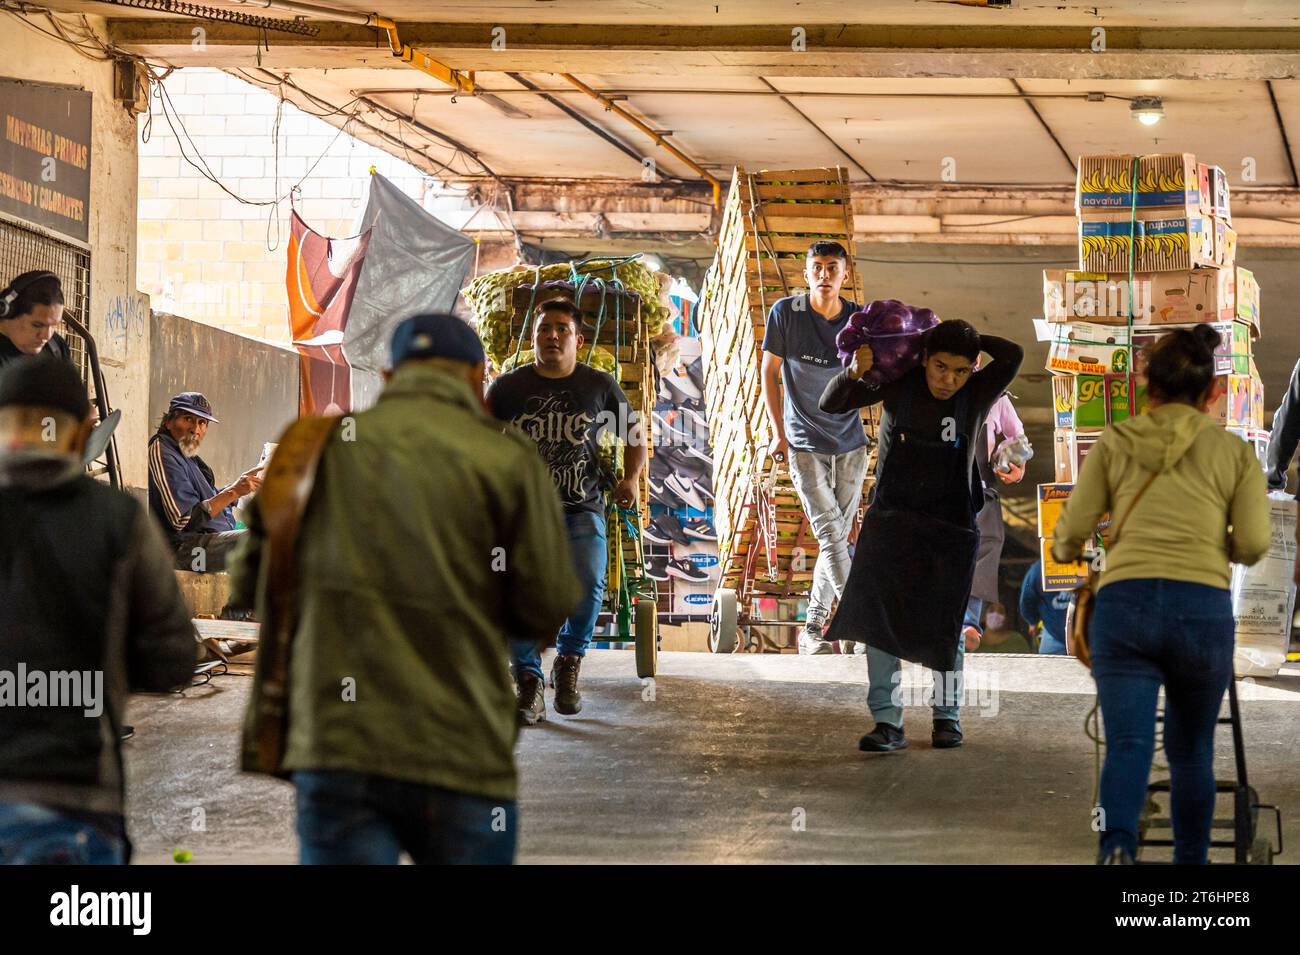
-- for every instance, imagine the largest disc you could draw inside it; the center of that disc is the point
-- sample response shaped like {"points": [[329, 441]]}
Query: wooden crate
{"points": [[770, 219]]}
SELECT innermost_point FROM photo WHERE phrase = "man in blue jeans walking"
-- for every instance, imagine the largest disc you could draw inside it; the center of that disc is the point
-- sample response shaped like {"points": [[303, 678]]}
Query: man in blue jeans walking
{"points": [[428, 538], [566, 407]]}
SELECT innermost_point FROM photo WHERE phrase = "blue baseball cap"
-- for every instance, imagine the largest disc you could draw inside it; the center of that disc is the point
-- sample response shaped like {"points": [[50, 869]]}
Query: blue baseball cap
{"points": [[192, 402], [435, 336]]}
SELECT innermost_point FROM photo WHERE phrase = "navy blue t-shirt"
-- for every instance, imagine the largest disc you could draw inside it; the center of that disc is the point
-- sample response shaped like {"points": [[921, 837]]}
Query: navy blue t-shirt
{"points": [[805, 341]]}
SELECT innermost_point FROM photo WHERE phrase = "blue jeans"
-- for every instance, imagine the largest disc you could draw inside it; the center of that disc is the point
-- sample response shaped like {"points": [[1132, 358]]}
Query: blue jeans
{"points": [[974, 610], [1050, 643], [1146, 633], [349, 818], [884, 693], [590, 562], [32, 834]]}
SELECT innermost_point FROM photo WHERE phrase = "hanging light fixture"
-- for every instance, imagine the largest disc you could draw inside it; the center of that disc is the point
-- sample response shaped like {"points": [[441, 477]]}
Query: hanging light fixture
{"points": [[1147, 110]]}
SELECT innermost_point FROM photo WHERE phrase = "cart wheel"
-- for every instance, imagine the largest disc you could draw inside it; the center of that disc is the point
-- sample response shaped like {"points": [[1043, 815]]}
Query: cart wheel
{"points": [[1261, 852], [723, 622], [647, 638]]}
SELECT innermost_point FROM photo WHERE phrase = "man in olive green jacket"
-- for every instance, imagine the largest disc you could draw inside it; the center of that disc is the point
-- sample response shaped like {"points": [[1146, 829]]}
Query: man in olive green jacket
{"points": [[429, 537]]}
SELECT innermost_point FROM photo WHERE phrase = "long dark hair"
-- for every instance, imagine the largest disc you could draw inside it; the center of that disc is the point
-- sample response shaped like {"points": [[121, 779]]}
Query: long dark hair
{"points": [[1180, 365]]}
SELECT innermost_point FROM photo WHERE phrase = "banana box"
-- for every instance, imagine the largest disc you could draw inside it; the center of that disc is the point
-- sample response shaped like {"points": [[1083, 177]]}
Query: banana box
{"points": [[1246, 295], [1083, 348], [1058, 576], [1091, 402], [1164, 180], [1156, 243], [1225, 243], [1117, 391], [1069, 448], [1233, 356], [1051, 502], [1214, 191], [1158, 298], [1240, 403]]}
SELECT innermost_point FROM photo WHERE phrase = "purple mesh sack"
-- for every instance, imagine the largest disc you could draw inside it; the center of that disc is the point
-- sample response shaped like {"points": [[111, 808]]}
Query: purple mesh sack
{"points": [[894, 332]]}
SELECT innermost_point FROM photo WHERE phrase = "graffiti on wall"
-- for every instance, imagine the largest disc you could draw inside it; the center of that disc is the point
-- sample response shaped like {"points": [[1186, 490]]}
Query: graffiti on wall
{"points": [[125, 321]]}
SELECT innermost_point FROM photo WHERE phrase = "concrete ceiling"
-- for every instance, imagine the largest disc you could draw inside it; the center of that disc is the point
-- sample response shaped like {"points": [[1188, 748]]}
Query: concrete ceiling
{"points": [[997, 91], [1165, 13], [883, 129]]}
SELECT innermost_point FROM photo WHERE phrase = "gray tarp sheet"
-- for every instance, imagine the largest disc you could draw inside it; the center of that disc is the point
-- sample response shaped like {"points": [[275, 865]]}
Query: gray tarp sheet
{"points": [[415, 264]]}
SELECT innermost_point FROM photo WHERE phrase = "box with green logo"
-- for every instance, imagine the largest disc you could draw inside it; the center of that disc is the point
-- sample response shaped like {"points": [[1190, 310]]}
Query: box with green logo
{"points": [[1091, 402]]}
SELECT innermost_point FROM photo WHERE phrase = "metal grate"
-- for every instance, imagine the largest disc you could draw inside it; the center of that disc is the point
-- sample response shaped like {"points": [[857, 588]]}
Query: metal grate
{"points": [[23, 249]]}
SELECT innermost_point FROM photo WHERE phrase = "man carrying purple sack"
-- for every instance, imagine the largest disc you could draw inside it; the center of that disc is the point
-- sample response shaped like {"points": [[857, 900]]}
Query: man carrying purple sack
{"points": [[827, 450], [915, 558]]}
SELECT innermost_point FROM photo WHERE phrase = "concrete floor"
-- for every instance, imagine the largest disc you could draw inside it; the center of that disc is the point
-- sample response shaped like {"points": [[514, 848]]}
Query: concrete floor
{"points": [[729, 759]]}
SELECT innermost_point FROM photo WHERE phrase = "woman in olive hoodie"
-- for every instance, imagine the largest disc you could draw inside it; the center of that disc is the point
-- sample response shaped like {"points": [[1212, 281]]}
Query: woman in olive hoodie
{"points": [[1163, 612]]}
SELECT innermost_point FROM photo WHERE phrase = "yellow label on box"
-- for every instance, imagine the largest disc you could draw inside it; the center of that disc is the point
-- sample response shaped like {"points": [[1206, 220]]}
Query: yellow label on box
{"points": [[1058, 576], [1051, 501]]}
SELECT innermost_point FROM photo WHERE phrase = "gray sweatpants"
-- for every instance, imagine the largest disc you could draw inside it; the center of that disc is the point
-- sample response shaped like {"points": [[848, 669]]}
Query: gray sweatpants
{"points": [[830, 488]]}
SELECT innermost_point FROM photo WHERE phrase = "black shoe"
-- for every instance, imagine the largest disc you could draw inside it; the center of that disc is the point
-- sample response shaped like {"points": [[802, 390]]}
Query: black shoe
{"points": [[883, 739], [704, 484], [686, 570], [665, 529], [127, 733], [667, 498], [564, 679], [530, 704], [656, 567], [946, 734], [675, 458], [695, 371], [699, 529]]}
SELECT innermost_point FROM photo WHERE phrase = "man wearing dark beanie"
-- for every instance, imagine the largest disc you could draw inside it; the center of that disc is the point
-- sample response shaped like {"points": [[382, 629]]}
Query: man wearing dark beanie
{"points": [[428, 538], [66, 665]]}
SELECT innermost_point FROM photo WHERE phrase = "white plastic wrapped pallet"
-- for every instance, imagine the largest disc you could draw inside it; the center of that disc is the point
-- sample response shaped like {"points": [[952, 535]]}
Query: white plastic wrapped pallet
{"points": [[1263, 596]]}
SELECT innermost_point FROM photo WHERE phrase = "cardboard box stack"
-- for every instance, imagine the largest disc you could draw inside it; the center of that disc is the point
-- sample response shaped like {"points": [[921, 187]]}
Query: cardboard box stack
{"points": [[1175, 231]]}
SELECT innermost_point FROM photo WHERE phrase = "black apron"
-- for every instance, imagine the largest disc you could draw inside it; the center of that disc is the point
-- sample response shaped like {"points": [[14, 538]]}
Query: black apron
{"points": [[915, 557]]}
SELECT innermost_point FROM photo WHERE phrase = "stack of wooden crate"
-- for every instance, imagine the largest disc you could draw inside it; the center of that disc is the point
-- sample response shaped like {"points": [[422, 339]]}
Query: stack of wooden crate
{"points": [[771, 218]]}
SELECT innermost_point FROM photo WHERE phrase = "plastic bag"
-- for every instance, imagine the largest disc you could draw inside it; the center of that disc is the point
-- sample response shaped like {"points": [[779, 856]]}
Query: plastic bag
{"points": [[895, 332]]}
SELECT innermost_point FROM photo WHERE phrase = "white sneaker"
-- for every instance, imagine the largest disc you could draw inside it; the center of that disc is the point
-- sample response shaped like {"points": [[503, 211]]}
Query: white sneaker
{"points": [[811, 642], [685, 488]]}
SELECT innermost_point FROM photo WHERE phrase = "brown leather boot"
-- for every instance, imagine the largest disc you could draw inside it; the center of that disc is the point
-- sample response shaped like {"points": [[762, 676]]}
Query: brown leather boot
{"points": [[530, 704], [564, 678]]}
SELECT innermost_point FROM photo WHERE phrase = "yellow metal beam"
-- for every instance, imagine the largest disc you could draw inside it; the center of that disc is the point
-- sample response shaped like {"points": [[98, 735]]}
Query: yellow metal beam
{"points": [[457, 80], [659, 138]]}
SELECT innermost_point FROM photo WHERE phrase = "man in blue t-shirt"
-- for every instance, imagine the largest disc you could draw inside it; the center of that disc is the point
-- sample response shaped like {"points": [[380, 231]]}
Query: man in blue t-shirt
{"points": [[828, 452]]}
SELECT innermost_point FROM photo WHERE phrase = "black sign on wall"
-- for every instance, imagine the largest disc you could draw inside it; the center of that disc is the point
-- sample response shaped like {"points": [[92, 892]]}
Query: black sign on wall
{"points": [[45, 156]]}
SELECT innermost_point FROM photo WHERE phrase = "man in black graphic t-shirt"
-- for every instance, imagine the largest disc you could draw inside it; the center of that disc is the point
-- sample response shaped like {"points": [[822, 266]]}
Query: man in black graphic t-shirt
{"points": [[565, 406]]}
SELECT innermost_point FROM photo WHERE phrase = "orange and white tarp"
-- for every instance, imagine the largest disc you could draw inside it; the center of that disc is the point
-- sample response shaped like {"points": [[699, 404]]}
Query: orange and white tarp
{"points": [[321, 281]]}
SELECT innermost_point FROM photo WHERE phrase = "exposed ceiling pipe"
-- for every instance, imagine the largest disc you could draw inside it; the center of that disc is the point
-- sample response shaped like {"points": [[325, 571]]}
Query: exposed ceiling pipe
{"points": [[791, 94], [460, 82], [809, 120], [659, 138]]}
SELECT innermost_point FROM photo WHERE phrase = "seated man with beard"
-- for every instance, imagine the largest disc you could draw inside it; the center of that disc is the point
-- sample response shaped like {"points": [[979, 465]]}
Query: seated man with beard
{"points": [[196, 517]]}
